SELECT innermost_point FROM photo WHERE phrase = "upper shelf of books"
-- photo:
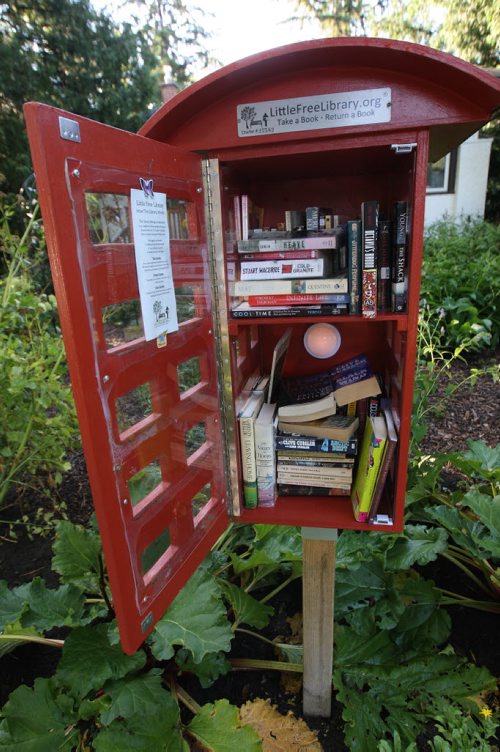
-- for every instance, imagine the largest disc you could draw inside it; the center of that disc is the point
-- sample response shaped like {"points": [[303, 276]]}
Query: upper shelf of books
{"points": [[320, 234]]}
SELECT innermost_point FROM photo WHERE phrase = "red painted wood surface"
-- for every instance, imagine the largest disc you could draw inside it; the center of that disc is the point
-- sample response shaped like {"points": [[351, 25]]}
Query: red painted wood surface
{"points": [[89, 278], [431, 89]]}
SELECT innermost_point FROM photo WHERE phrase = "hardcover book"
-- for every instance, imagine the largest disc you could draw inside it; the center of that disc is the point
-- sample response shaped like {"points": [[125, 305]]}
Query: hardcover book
{"points": [[399, 260], [370, 460], [354, 264], [340, 427], [330, 285], [285, 269], [265, 432], [246, 422], [369, 230]]}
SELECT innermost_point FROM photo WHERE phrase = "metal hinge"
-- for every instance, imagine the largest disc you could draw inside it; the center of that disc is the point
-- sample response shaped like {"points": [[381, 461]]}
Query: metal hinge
{"points": [[403, 148]]}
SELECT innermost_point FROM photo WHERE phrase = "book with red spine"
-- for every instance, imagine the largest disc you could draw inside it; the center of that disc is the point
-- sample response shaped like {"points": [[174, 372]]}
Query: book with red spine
{"points": [[369, 231], [340, 298]]}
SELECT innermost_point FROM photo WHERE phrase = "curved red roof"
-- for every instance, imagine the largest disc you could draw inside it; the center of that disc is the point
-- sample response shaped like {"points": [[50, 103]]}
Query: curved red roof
{"points": [[434, 88]]}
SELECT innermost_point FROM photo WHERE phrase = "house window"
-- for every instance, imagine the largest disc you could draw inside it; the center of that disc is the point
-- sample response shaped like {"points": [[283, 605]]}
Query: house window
{"points": [[441, 174]]}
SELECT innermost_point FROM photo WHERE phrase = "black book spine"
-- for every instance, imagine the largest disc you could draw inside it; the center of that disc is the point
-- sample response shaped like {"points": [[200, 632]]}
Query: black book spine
{"points": [[384, 266], [399, 258]]}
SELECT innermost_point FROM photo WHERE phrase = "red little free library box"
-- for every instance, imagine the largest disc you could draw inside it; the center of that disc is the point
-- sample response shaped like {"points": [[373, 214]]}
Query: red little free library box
{"points": [[328, 123]]}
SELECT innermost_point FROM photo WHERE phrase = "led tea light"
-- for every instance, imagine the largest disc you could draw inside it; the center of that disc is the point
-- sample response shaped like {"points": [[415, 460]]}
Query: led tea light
{"points": [[322, 340]]}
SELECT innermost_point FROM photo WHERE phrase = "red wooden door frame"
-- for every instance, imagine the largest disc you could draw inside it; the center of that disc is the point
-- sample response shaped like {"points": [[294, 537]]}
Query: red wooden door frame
{"points": [[88, 280]]}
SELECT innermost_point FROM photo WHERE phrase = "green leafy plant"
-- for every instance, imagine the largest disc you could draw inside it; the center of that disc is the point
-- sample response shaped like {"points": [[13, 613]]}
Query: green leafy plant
{"points": [[460, 269], [37, 420]]}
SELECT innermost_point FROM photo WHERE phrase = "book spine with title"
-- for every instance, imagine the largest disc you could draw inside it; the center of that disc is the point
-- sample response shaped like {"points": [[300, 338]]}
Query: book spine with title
{"points": [[369, 231], [243, 288], [354, 264], [245, 311], [384, 266], [265, 433], [254, 245], [284, 269], [399, 260], [340, 298]]}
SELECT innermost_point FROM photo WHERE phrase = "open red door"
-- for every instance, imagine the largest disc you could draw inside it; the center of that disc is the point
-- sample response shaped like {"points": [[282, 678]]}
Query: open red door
{"points": [[148, 410]]}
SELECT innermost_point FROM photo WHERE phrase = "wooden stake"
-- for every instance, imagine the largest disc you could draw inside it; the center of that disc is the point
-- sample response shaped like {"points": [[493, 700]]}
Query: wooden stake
{"points": [[318, 584]]}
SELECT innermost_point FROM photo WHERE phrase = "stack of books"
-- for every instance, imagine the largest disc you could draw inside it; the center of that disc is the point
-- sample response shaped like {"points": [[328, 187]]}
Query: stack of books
{"points": [[326, 266]]}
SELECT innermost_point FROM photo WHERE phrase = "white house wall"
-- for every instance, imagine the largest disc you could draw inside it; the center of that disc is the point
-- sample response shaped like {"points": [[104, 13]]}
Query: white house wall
{"points": [[469, 196]]}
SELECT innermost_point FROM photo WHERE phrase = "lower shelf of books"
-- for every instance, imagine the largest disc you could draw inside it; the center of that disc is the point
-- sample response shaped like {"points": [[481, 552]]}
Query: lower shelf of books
{"points": [[312, 511]]}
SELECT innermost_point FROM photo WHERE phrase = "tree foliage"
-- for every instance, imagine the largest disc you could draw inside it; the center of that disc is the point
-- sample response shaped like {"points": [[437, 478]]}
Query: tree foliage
{"points": [[468, 30], [177, 36], [64, 53]]}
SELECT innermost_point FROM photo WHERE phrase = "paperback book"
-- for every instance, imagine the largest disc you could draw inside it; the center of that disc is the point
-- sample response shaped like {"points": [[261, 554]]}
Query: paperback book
{"points": [[288, 489], [311, 444], [243, 288], [370, 460], [246, 311], [340, 427], [303, 412], [384, 266]]}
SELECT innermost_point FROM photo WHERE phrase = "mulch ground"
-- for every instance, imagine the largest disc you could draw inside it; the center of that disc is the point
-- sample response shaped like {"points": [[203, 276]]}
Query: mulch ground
{"points": [[472, 413]]}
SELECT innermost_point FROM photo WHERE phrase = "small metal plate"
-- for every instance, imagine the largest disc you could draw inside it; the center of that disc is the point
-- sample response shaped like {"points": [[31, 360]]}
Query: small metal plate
{"points": [[69, 129]]}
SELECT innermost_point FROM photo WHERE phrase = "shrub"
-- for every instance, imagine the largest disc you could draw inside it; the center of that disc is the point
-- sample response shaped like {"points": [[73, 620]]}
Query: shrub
{"points": [[460, 279], [37, 419]]}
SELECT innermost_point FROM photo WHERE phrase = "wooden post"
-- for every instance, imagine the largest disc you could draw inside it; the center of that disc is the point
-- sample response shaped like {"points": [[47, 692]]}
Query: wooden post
{"points": [[318, 585]]}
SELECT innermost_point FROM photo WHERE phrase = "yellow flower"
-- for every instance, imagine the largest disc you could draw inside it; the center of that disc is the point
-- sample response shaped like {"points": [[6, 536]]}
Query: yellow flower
{"points": [[486, 712]]}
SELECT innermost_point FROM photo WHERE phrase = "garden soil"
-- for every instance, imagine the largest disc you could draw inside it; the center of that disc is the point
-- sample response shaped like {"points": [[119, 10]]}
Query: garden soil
{"points": [[473, 413]]}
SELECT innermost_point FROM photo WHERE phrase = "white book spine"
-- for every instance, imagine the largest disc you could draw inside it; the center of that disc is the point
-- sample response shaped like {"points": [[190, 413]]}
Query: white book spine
{"points": [[290, 286], [266, 463], [282, 269]]}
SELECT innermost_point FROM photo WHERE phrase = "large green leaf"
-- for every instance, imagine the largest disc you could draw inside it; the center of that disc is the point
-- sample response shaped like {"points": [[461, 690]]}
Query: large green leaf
{"points": [[487, 508], [247, 610], [418, 545], [196, 620], [155, 730], [34, 605], [218, 728], [488, 458], [135, 695], [354, 587], [207, 670], [89, 660], [34, 721], [77, 555], [471, 535], [13, 604], [49, 608], [274, 545]]}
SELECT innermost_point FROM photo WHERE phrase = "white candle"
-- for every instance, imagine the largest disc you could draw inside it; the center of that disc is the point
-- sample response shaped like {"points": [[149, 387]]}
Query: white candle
{"points": [[322, 340]]}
